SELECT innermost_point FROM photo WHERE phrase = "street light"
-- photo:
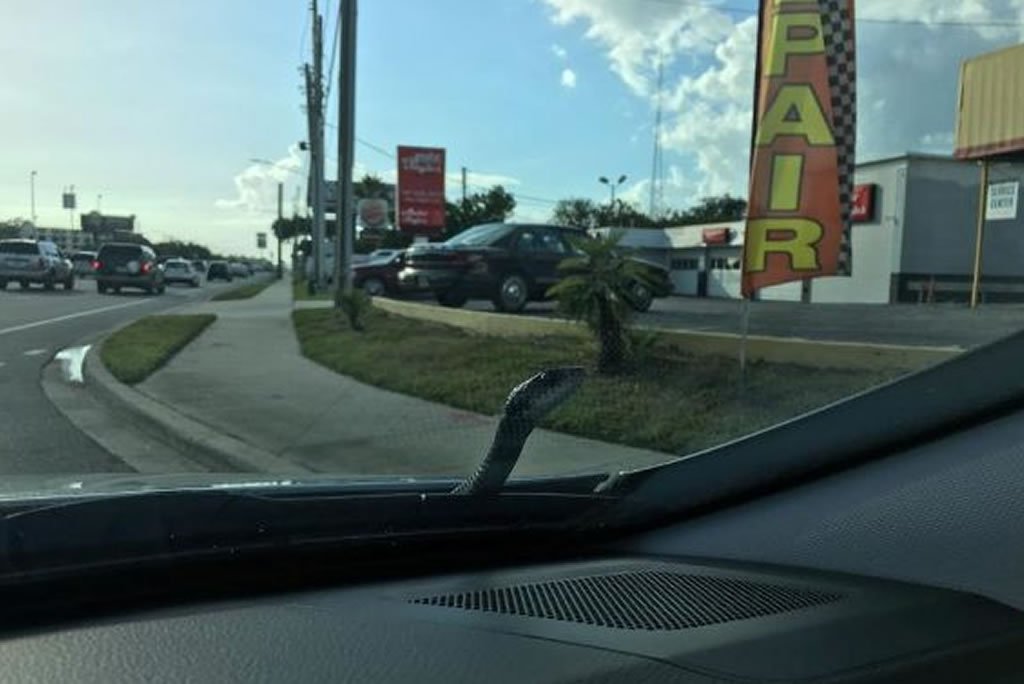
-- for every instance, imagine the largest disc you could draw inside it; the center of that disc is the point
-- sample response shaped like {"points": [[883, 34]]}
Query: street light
{"points": [[32, 195], [612, 186]]}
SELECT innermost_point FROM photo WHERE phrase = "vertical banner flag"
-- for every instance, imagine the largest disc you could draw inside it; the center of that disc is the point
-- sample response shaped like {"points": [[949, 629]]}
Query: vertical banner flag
{"points": [[421, 190], [802, 156]]}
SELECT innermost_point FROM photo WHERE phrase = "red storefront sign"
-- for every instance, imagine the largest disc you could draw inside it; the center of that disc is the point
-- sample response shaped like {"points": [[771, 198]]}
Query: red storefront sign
{"points": [[863, 203], [716, 236], [420, 189]]}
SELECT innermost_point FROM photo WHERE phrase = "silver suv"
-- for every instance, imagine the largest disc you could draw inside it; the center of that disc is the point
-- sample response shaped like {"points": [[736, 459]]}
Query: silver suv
{"points": [[34, 261]]}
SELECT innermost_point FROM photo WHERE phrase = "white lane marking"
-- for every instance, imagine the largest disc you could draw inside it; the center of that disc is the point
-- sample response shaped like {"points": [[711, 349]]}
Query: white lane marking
{"points": [[68, 317], [34, 352], [71, 360]]}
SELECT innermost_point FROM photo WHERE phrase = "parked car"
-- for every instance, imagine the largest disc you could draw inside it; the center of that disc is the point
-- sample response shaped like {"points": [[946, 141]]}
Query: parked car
{"points": [[510, 264], [379, 276], [239, 269], [200, 266], [34, 261], [180, 271], [123, 264], [219, 270], [81, 263]]}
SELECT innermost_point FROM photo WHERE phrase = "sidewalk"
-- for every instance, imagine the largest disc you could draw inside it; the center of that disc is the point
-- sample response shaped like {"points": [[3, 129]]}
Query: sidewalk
{"points": [[246, 377]]}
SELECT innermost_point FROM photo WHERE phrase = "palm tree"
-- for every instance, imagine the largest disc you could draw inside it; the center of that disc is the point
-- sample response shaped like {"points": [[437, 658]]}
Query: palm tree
{"points": [[595, 290]]}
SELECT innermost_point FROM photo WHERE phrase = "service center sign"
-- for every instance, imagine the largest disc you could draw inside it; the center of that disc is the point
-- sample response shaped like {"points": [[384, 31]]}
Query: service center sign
{"points": [[421, 189], [1002, 201]]}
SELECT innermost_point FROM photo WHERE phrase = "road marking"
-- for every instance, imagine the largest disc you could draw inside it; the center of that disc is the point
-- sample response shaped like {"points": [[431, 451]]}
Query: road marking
{"points": [[71, 360], [68, 317], [34, 352]]}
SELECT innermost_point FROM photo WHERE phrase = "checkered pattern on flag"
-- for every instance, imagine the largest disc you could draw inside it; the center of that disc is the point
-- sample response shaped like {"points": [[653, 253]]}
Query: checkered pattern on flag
{"points": [[800, 204], [840, 53]]}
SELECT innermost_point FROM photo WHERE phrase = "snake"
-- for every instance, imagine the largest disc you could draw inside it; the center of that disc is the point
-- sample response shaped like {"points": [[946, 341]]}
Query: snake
{"points": [[525, 406]]}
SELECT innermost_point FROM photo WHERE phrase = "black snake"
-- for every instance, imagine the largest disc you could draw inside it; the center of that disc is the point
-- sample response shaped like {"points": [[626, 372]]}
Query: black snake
{"points": [[526, 405]]}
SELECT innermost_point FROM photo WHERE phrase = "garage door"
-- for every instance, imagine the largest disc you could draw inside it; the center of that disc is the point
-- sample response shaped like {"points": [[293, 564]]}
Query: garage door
{"points": [[685, 275]]}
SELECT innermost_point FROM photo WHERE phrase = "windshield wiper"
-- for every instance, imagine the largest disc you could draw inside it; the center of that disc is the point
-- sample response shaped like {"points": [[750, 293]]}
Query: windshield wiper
{"points": [[526, 405]]}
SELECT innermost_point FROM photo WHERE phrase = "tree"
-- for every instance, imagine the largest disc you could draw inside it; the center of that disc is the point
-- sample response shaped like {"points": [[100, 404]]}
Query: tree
{"points": [[11, 228], [492, 206], [713, 210], [585, 213], [185, 250], [575, 212], [370, 186], [595, 291]]}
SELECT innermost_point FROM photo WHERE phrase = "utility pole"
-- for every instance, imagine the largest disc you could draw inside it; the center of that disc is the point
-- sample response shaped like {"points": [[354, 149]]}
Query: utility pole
{"points": [[32, 196], [318, 89], [313, 172], [280, 217], [347, 13], [463, 184]]}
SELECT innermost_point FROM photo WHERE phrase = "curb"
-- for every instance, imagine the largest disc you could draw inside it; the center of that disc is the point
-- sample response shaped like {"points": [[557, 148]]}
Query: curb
{"points": [[199, 441], [790, 350]]}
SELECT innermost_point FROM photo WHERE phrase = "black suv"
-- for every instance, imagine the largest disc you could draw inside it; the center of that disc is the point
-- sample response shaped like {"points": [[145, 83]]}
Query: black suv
{"points": [[510, 264], [122, 264]]}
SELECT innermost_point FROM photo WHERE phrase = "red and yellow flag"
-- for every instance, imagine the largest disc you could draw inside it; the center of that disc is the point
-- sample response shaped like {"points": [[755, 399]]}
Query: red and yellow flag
{"points": [[801, 181]]}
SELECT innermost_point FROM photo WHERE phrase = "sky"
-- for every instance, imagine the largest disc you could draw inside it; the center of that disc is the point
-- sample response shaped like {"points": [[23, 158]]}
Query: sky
{"points": [[160, 108]]}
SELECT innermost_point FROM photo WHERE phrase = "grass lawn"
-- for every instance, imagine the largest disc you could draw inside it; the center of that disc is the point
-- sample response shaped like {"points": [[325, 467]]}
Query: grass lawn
{"points": [[671, 402], [243, 292], [300, 292], [133, 353]]}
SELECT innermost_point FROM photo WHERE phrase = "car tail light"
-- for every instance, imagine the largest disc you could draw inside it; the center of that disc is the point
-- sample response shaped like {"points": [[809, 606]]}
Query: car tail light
{"points": [[97, 265], [147, 266]]}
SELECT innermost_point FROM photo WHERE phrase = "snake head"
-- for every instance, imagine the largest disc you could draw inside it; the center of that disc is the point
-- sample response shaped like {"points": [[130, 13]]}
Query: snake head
{"points": [[536, 397]]}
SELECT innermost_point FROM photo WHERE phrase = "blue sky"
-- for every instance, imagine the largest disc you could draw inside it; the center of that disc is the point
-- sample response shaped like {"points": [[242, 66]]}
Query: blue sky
{"points": [[159, 107]]}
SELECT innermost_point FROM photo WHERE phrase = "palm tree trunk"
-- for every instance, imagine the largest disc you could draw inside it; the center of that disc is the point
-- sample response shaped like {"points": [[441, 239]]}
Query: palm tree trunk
{"points": [[609, 336]]}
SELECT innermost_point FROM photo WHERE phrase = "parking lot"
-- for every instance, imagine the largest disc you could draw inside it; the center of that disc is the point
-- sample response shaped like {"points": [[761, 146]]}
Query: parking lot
{"points": [[938, 325]]}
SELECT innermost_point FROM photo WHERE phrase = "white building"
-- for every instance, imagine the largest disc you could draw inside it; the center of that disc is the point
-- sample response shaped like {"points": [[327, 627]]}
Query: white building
{"points": [[913, 240]]}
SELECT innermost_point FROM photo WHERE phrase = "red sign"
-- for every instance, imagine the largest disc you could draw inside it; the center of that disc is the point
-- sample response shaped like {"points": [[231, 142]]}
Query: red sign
{"points": [[420, 189], [863, 203], [717, 236]]}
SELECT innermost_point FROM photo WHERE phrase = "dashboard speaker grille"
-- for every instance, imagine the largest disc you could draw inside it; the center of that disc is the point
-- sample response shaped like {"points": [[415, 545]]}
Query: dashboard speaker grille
{"points": [[638, 600]]}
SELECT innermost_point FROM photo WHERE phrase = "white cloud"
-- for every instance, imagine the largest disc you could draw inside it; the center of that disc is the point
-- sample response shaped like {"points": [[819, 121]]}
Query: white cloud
{"points": [[256, 185], [908, 74], [559, 51], [568, 78]]}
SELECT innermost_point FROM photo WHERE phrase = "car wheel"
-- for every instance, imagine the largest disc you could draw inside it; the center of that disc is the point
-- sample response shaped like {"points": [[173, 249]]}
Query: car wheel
{"points": [[23, 284], [3, 284], [513, 293], [640, 297], [101, 287], [49, 283], [451, 299], [374, 287], [160, 289], [117, 289], [69, 284]]}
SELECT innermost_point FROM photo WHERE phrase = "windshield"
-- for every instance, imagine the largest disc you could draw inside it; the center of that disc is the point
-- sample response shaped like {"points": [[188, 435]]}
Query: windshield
{"points": [[680, 269], [19, 248], [481, 235]]}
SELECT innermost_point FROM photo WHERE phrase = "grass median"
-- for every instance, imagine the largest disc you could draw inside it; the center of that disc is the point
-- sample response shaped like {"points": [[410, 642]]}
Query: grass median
{"points": [[671, 402], [300, 292], [243, 292], [135, 352]]}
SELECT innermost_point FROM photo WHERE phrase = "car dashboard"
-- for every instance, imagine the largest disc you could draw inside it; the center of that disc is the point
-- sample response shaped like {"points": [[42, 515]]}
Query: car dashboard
{"points": [[621, 618]]}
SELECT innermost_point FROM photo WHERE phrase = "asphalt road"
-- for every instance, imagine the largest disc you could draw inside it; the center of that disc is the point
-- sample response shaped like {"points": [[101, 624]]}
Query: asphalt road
{"points": [[937, 325], [35, 438]]}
